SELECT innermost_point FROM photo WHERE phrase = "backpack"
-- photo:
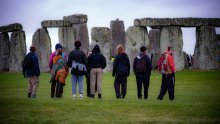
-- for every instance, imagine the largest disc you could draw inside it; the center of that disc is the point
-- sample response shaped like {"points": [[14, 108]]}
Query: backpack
{"points": [[27, 64], [140, 66]]}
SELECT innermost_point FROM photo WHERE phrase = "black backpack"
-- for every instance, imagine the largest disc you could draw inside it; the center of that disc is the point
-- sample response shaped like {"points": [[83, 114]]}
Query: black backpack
{"points": [[140, 66]]}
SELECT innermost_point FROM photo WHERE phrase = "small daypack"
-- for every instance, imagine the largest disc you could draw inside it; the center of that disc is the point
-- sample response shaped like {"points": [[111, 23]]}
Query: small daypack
{"points": [[140, 66]]}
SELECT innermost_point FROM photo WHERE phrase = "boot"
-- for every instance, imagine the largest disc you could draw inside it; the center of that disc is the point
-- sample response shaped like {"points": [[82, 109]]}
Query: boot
{"points": [[92, 96], [29, 95], [99, 96]]}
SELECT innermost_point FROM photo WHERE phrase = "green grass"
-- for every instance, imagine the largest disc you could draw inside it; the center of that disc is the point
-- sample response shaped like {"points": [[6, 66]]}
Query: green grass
{"points": [[197, 101]]}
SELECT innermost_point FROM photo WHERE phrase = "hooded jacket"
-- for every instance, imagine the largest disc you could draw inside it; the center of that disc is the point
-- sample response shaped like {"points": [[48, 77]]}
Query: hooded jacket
{"points": [[121, 65], [96, 59], [34, 70], [143, 55]]}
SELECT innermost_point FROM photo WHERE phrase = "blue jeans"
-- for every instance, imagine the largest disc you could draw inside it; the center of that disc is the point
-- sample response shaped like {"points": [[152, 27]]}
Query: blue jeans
{"points": [[76, 79]]}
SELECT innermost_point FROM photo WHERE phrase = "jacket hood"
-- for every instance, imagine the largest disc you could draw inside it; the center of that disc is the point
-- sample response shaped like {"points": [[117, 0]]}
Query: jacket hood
{"points": [[141, 55], [96, 49]]}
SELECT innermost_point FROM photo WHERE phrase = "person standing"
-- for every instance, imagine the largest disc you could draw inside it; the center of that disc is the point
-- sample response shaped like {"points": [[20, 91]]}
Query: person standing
{"points": [[88, 77], [32, 71], [52, 81], [97, 63], [121, 70], [166, 66], [60, 72], [142, 69], [77, 61]]}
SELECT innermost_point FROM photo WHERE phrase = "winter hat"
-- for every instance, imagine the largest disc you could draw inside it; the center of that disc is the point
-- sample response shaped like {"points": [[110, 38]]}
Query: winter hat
{"points": [[120, 49], [77, 44], [58, 46]]}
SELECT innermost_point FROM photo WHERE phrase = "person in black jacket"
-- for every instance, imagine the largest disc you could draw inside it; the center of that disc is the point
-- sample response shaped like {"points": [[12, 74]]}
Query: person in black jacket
{"points": [[121, 70], [77, 59], [142, 68], [97, 63]]}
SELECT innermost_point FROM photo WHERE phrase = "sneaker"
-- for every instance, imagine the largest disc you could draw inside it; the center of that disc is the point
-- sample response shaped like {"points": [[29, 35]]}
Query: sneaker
{"points": [[80, 96], [74, 96]]}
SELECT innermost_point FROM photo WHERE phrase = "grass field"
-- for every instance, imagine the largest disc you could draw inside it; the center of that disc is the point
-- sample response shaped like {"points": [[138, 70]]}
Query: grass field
{"points": [[197, 101]]}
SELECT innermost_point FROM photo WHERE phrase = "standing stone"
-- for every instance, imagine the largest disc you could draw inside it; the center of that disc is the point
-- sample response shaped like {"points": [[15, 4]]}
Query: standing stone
{"points": [[135, 38], [206, 49], [4, 52], [185, 60], [117, 34], [17, 50], [78, 31], [101, 36], [154, 36], [41, 40], [67, 38], [172, 36]]}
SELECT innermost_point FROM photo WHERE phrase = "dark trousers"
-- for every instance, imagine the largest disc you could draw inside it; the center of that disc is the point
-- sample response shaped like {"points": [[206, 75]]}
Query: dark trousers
{"points": [[88, 83], [142, 79], [168, 83], [120, 85], [56, 89]]}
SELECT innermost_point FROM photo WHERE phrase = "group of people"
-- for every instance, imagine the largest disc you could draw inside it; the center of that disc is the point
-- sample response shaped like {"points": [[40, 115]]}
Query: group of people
{"points": [[91, 66]]}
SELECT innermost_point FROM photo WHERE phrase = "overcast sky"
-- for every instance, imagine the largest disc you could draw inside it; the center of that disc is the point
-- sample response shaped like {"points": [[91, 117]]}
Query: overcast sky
{"points": [[30, 13]]}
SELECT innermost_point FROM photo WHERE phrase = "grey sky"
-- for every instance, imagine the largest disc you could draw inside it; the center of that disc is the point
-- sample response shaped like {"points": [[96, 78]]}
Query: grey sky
{"points": [[30, 13]]}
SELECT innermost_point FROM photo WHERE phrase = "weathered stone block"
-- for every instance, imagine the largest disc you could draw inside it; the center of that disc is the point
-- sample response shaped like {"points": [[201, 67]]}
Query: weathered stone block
{"points": [[4, 51], [41, 40], [206, 49], [17, 50], [76, 18], [55, 23], [181, 22], [11, 27]]}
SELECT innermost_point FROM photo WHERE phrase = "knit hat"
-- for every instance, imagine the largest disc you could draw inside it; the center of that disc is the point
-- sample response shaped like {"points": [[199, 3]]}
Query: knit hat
{"points": [[58, 46], [120, 49], [77, 44]]}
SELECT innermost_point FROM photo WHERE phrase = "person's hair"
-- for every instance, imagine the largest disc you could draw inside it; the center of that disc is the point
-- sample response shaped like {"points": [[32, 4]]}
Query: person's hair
{"points": [[169, 48], [143, 48], [32, 48], [77, 44], [120, 48]]}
